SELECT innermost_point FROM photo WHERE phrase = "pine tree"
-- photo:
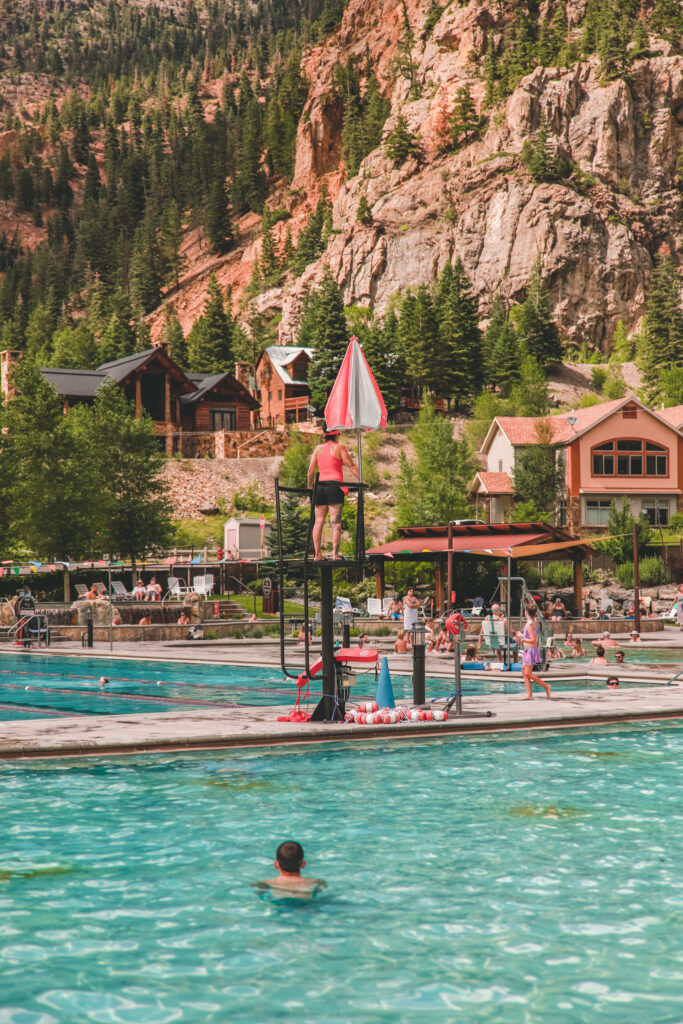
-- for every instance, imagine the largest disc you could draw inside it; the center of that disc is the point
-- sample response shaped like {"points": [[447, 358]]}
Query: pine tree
{"points": [[269, 263], [458, 365], [662, 339], [505, 358], [93, 183], [324, 328], [145, 291], [535, 324], [217, 219], [118, 339], [418, 340], [530, 395], [210, 340], [175, 339], [364, 212], [174, 261], [538, 476], [313, 236], [402, 144], [464, 122]]}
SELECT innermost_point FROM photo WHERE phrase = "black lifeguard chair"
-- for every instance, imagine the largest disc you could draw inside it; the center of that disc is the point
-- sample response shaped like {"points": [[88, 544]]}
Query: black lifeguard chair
{"points": [[331, 707]]}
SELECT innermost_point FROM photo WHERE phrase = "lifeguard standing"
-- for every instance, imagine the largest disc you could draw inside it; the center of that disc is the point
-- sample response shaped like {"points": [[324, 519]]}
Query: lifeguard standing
{"points": [[329, 459]]}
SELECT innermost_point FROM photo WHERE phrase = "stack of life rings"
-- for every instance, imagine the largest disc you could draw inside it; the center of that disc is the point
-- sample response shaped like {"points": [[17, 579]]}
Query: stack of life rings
{"points": [[369, 713]]}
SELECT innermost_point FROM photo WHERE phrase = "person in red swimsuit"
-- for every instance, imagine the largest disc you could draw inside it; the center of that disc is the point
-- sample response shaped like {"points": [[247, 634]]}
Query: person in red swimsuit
{"points": [[329, 459]]}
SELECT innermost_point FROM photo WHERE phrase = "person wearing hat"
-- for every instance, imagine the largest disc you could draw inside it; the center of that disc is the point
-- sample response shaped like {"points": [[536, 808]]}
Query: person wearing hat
{"points": [[635, 637], [329, 459]]}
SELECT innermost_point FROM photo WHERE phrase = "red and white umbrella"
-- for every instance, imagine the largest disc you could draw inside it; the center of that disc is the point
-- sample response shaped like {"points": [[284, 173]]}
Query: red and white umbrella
{"points": [[355, 401]]}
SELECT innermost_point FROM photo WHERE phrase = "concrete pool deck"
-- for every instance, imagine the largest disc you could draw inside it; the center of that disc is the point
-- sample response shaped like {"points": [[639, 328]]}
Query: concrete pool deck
{"points": [[206, 728], [258, 726]]}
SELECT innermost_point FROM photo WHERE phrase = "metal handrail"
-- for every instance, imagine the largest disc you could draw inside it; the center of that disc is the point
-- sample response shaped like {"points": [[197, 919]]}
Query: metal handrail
{"points": [[248, 441]]}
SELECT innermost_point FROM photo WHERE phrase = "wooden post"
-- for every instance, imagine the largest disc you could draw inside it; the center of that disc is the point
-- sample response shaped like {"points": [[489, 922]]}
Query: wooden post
{"points": [[449, 597], [138, 397], [636, 578], [67, 586], [578, 585], [379, 581], [167, 399], [438, 586]]}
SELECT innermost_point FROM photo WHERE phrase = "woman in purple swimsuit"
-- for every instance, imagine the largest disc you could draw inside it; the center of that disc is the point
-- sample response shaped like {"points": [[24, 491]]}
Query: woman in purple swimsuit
{"points": [[531, 655]]}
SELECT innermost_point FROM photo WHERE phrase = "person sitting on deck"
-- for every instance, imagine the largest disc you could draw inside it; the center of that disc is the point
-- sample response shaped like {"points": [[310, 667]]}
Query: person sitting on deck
{"points": [[558, 610], [153, 590], [289, 860], [599, 658], [395, 610], [329, 459], [402, 643], [139, 591], [444, 642]]}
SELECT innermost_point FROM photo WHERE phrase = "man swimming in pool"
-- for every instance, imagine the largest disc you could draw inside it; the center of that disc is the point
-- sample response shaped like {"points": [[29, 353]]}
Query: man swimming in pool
{"points": [[289, 860]]}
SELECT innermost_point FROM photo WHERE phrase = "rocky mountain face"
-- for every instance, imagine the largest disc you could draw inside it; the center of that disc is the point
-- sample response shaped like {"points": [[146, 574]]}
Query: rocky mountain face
{"points": [[596, 233]]}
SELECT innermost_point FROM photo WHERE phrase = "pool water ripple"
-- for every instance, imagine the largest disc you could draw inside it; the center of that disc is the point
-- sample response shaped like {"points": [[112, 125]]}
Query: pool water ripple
{"points": [[521, 878]]}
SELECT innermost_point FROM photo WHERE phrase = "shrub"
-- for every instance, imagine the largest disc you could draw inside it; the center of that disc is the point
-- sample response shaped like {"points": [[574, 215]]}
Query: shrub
{"points": [[624, 573], [531, 574], [558, 574], [598, 376], [653, 571], [676, 522]]}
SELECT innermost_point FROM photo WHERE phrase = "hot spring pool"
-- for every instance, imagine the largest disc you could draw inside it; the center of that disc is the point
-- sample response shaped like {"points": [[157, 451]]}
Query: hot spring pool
{"points": [[42, 686], [534, 877]]}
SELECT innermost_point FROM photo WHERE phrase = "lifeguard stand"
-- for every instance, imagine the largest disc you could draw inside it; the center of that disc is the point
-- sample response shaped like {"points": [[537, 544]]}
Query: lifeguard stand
{"points": [[331, 707]]}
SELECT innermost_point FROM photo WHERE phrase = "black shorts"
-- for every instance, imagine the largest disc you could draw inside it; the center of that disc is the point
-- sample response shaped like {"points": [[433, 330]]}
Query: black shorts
{"points": [[329, 492]]}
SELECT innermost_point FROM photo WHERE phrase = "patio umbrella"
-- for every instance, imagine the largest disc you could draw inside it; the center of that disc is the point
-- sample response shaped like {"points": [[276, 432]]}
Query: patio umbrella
{"points": [[356, 403]]}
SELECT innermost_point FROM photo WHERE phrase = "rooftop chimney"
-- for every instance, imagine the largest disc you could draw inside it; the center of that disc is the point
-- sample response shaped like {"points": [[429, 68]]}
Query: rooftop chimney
{"points": [[242, 374]]}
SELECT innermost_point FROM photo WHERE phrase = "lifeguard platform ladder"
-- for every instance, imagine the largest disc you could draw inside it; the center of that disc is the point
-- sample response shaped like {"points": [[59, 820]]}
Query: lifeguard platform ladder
{"points": [[331, 707]]}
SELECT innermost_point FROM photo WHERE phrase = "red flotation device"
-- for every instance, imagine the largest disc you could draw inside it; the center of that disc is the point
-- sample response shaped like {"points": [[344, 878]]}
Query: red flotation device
{"points": [[453, 623], [357, 655]]}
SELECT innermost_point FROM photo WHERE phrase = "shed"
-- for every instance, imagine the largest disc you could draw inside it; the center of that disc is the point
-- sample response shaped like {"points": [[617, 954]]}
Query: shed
{"points": [[246, 538]]}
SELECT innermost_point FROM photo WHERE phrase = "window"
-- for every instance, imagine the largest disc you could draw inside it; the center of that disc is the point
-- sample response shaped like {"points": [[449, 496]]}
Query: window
{"points": [[630, 412], [223, 419], [279, 395], [597, 510], [657, 511], [625, 458], [500, 465], [561, 513]]}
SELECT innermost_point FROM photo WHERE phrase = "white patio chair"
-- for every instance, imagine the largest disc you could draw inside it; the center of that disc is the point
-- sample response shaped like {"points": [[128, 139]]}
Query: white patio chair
{"points": [[175, 589], [386, 601], [203, 585], [374, 606]]}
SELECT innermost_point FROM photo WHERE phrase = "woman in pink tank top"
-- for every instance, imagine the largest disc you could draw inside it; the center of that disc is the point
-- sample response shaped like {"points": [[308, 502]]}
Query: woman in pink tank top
{"points": [[328, 460]]}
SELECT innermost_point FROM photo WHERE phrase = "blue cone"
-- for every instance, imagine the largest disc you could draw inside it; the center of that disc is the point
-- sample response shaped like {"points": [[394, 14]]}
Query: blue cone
{"points": [[385, 693]]}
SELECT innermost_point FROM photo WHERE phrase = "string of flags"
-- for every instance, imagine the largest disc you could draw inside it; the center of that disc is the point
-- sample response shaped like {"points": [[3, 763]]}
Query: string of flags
{"points": [[10, 568]]}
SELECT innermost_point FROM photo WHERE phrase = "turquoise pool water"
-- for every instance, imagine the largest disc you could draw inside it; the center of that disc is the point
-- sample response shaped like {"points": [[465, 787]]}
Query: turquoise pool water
{"points": [[528, 879], [41, 686]]}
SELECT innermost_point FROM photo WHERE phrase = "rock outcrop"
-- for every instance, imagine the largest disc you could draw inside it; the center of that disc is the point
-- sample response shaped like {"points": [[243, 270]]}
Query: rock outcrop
{"points": [[596, 233]]}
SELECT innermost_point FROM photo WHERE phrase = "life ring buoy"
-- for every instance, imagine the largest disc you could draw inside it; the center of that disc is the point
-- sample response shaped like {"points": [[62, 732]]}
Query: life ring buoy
{"points": [[369, 714], [453, 623]]}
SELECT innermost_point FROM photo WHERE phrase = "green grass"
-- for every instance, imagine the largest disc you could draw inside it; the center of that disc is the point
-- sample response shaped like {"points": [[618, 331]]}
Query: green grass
{"points": [[197, 533], [247, 602]]}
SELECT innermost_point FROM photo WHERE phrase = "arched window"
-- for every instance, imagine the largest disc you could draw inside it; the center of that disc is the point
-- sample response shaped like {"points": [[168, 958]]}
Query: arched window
{"points": [[630, 457]]}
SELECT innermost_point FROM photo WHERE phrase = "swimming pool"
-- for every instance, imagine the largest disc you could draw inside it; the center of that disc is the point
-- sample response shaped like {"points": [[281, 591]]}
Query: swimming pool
{"points": [[533, 877], [41, 686]]}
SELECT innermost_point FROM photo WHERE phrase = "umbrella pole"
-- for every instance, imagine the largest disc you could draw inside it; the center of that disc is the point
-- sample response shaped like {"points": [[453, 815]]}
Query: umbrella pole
{"points": [[360, 517]]}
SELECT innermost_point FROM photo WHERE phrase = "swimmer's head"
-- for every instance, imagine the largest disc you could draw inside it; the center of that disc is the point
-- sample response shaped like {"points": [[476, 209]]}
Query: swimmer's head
{"points": [[290, 856], [612, 683], [103, 680]]}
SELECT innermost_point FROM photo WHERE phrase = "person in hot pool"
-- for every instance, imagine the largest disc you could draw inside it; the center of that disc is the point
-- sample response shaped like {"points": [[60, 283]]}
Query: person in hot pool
{"points": [[329, 459]]}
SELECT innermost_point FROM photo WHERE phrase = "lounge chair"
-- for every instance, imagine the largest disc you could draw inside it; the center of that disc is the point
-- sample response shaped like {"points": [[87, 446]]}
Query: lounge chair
{"points": [[386, 601], [343, 604], [81, 589], [374, 606], [119, 591]]}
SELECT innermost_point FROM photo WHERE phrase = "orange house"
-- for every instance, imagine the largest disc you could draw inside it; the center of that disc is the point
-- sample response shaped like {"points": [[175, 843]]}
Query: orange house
{"points": [[282, 384], [613, 450]]}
